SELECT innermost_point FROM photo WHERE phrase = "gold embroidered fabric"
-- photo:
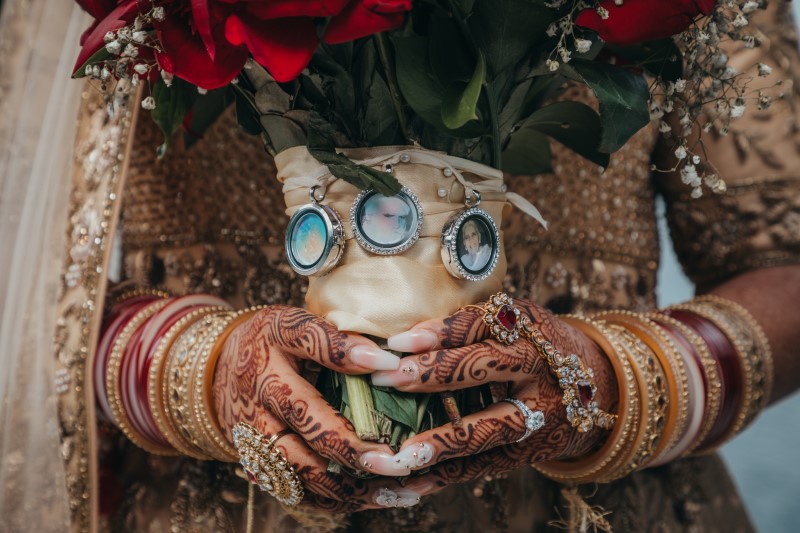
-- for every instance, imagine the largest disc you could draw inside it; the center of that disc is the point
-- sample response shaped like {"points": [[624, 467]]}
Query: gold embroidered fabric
{"points": [[209, 219]]}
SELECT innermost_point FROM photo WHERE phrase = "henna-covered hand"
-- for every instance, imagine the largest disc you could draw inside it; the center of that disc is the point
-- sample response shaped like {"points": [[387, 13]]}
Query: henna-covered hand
{"points": [[257, 380], [458, 353]]}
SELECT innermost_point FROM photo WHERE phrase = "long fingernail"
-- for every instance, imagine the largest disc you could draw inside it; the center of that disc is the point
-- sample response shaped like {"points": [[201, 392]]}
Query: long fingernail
{"points": [[401, 464], [414, 341], [401, 497], [405, 375], [374, 358]]}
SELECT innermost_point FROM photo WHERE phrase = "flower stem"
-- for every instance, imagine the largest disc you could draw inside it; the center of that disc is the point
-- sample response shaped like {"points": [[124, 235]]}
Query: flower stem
{"points": [[359, 398]]}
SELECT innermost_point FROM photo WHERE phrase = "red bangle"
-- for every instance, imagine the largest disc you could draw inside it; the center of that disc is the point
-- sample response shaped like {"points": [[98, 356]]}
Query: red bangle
{"points": [[729, 367], [113, 325], [143, 372]]}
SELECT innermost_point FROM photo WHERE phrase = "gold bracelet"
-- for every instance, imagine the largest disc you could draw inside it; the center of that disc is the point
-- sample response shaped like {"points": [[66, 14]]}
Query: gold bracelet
{"points": [[202, 398], [588, 468], [654, 405], [157, 384], [116, 299], [113, 379], [713, 392], [177, 375], [755, 357], [676, 417], [758, 351], [575, 381]]}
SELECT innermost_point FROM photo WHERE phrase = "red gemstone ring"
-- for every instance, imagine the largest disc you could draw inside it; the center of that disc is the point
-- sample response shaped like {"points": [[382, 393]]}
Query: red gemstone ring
{"points": [[501, 317]]}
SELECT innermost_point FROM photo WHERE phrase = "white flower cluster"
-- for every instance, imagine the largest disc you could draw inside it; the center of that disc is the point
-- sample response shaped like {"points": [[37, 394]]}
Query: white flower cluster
{"points": [[564, 28], [713, 93], [124, 46]]}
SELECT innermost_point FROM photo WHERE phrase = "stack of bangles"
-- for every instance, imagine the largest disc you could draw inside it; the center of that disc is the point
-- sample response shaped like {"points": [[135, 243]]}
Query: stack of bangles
{"points": [[689, 378], [153, 376]]}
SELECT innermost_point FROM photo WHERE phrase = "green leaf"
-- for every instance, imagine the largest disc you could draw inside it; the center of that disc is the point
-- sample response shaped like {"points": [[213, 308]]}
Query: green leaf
{"points": [[449, 52], [172, 104], [205, 111], [623, 97], [421, 91], [246, 113], [323, 148], [399, 406], [98, 57], [507, 30], [661, 58], [527, 153], [574, 125], [460, 103]]}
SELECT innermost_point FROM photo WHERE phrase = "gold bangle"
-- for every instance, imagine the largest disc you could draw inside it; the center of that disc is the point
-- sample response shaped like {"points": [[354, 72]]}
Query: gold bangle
{"points": [[117, 299], [113, 379], [654, 404], [157, 385], [676, 417], [586, 469], [202, 398], [176, 383], [755, 357], [758, 351], [713, 398]]}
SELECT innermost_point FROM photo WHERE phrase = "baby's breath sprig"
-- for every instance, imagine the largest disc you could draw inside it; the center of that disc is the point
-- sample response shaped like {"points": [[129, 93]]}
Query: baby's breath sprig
{"points": [[564, 30], [712, 94], [124, 59]]}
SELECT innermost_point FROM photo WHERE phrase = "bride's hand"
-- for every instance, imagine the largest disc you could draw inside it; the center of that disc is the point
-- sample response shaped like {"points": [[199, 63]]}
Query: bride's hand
{"points": [[257, 380], [457, 353]]}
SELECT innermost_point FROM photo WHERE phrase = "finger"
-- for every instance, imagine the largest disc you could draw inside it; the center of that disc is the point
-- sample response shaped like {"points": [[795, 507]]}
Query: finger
{"points": [[332, 491], [499, 424], [466, 469], [460, 368], [462, 328], [297, 332], [295, 401]]}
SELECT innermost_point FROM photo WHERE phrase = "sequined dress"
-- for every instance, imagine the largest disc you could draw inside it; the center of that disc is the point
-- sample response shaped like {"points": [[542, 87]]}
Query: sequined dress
{"points": [[210, 219]]}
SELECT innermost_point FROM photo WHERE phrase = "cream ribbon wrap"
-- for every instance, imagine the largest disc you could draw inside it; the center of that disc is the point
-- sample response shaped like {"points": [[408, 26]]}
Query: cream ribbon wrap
{"points": [[385, 295]]}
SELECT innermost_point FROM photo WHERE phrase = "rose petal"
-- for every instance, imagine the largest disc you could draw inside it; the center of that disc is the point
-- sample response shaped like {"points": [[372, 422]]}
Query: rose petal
{"points": [[92, 39], [97, 8], [186, 56], [283, 46], [641, 20], [202, 21], [358, 20], [272, 9]]}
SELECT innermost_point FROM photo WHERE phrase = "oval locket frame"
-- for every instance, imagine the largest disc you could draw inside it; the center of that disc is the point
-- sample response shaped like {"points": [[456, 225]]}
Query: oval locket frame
{"points": [[333, 246], [449, 245]]}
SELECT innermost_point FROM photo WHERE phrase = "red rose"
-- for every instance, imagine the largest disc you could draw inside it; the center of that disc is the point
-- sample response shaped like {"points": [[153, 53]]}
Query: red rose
{"points": [[206, 42], [643, 20]]}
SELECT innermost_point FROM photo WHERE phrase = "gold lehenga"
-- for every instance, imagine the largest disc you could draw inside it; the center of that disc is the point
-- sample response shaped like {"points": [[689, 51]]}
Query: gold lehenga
{"points": [[209, 219]]}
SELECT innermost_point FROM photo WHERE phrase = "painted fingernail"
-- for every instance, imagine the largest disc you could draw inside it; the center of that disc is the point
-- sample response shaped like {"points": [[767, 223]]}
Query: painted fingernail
{"points": [[405, 375], [401, 464], [396, 498], [414, 341], [374, 358], [415, 455]]}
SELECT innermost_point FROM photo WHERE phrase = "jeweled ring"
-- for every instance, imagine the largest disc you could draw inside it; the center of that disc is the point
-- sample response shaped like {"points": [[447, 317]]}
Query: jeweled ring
{"points": [[534, 420], [502, 318], [265, 465]]}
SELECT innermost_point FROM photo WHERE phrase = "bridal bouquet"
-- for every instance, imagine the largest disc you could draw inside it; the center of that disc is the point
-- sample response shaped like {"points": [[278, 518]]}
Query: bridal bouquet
{"points": [[476, 79]]}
